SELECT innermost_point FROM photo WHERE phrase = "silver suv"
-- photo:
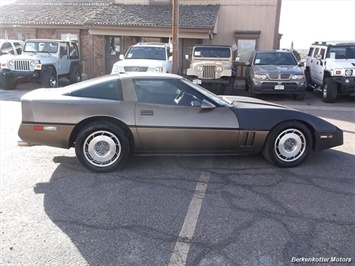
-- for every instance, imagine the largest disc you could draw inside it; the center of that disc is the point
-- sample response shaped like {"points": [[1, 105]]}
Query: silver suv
{"points": [[145, 57], [330, 69], [44, 61]]}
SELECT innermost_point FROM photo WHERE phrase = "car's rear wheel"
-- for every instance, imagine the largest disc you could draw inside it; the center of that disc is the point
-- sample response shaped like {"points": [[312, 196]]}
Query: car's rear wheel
{"points": [[288, 144], [75, 75], [102, 147], [330, 90]]}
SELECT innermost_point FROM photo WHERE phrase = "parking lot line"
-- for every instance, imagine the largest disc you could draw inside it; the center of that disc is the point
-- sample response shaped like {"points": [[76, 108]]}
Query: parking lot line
{"points": [[182, 246]]}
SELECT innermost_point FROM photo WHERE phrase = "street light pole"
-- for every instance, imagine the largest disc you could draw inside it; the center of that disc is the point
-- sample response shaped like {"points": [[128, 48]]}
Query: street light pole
{"points": [[175, 23]]}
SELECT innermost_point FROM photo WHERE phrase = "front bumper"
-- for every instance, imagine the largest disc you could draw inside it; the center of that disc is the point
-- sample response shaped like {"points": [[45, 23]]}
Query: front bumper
{"points": [[347, 84], [271, 88], [20, 75], [326, 140]]}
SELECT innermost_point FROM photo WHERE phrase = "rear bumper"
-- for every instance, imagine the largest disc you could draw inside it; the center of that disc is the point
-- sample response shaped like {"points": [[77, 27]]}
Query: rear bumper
{"points": [[32, 134]]}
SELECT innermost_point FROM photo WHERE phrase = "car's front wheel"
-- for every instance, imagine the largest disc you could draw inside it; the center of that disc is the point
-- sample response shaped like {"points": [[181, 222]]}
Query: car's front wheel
{"points": [[330, 90], [288, 144], [49, 78], [7, 82], [102, 147]]}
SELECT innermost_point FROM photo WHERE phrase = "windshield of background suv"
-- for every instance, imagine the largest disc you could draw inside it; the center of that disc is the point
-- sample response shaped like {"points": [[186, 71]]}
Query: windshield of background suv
{"points": [[41, 47], [215, 52], [146, 52], [275, 58], [341, 52]]}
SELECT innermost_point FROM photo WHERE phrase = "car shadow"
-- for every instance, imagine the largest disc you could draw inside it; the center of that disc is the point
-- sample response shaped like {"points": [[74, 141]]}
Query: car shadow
{"points": [[133, 216]]}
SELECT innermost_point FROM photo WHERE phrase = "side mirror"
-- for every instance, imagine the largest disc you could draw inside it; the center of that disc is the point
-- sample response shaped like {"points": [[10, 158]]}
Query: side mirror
{"points": [[170, 58], [247, 63], [207, 105], [187, 57], [301, 64], [121, 57]]}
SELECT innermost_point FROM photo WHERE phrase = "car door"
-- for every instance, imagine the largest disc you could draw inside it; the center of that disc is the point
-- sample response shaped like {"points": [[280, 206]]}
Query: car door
{"points": [[319, 67], [166, 123], [64, 62]]}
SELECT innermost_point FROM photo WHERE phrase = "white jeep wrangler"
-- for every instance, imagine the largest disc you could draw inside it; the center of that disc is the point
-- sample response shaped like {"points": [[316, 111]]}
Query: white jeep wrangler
{"points": [[330, 68], [145, 57], [44, 61]]}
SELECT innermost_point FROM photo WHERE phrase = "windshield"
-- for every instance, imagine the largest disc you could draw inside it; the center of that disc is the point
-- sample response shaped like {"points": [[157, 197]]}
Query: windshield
{"points": [[215, 52], [41, 47], [155, 53], [275, 58], [341, 52], [207, 93]]}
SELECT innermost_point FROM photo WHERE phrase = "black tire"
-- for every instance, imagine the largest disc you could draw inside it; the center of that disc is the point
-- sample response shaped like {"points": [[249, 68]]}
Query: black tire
{"points": [[308, 81], [246, 87], [299, 97], [229, 88], [7, 82], [330, 90], [288, 144], [49, 78], [75, 75], [102, 147]]}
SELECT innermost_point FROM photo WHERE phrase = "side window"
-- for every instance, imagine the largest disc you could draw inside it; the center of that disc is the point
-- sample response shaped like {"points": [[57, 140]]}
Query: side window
{"points": [[316, 52], [322, 52], [310, 52], [110, 90], [6, 48], [63, 49], [166, 92], [18, 47], [73, 50]]}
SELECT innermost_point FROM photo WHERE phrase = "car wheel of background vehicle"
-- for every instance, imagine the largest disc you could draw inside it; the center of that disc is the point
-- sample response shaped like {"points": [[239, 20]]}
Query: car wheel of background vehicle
{"points": [[299, 97], [229, 88], [102, 147], [308, 81], [7, 83], [49, 78], [288, 144], [330, 90], [75, 75], [246, 87]]}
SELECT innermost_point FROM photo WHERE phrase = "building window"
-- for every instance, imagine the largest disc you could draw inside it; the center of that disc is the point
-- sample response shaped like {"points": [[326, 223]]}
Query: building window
{"points": [[247, 42], [159, 2]]}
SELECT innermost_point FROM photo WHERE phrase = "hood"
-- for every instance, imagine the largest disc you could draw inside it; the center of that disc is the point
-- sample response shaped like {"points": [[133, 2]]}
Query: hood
{"points": [[341, 63], [32, 56], [242, 102], [139, 62], [276, 69]]}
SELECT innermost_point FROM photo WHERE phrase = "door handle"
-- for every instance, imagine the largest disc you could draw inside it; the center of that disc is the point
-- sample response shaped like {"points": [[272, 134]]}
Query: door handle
{"points": [[147, 112]]}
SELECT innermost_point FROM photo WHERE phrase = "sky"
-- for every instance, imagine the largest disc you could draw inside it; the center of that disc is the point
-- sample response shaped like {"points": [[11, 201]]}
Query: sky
{"points": [[307, 21]]}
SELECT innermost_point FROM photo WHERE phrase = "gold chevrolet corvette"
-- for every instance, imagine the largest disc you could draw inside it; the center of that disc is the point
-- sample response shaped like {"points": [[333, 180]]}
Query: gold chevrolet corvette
{"points": [[107, 119]]}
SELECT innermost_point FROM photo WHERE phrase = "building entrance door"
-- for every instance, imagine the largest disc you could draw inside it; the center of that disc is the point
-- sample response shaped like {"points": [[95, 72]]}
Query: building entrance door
{"points": [[112, 51]]}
